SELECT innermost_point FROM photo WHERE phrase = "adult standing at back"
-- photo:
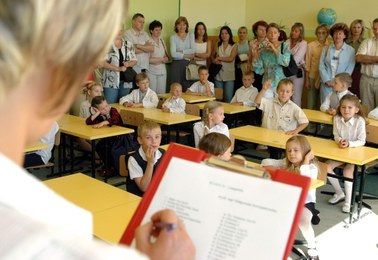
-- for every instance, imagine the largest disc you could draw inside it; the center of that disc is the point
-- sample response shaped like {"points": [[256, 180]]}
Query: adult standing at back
{"points": [[120, 57], [367, 55], [182, 51], [336, 58], [259, 32], [225, 54], [241, 60], [269, 57], [203, 44], [141, 42], [355, 39], [157, 72], [298, 47]]}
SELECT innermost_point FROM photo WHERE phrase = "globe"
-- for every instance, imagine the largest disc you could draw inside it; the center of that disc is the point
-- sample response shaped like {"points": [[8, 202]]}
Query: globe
{"points": [[327, 16]]}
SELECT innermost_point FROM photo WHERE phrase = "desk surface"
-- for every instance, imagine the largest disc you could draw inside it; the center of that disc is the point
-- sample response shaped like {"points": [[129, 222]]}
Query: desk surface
{"points": [[318, 116], [110, 224], [324, 148], [35, 147], [189, 98], [89, 193], [231, 109], [158, 116], [75, 126], [324, 118]]}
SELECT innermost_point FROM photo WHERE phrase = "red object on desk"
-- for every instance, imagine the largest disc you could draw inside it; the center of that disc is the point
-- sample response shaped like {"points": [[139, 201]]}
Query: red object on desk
{"points": [[195, 155]]}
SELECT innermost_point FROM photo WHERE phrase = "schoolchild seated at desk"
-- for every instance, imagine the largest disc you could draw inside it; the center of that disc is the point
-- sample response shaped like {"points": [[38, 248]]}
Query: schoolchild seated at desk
{"points": [[342, 82], [175, 103], [104, 115], [217, 145], [280, 113], [42, 156], [142, 97], [143, 163], [212, 121], [299, 159], [203, 87], [245, 96]]}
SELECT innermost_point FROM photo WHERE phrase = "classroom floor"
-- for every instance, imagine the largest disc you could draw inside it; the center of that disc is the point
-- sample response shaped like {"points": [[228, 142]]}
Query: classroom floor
{"points": [[331, 216]]}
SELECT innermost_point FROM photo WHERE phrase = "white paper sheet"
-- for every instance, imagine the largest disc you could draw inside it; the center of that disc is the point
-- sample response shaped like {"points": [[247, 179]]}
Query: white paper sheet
{"points": [[228, 215]]}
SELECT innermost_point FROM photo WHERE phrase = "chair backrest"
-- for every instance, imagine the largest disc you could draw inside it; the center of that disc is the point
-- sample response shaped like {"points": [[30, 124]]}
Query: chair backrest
{"points": [[192, 109], [131, 118], [322, 171], [160, 103], [218, 93], [365, 109], [122, 166], [371, 134]]}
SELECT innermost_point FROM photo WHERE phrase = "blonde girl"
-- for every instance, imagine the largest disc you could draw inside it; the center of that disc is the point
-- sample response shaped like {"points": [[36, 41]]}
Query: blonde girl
{"points": [[348, 131], [212, 121], [91, 90], [299, 159]]}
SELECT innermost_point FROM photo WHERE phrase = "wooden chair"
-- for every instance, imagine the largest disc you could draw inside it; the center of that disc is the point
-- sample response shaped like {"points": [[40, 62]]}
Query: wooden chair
{"points": [[218, 94], [51, 163], [131, 118]]}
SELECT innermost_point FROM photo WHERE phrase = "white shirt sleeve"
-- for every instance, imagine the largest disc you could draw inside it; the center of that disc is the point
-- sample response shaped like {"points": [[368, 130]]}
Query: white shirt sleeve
{"points": [[373, 114]]}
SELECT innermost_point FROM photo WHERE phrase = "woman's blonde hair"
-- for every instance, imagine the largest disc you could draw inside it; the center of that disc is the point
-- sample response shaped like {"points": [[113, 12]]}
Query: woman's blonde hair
{"points": [[63, 38], [209, 108]]}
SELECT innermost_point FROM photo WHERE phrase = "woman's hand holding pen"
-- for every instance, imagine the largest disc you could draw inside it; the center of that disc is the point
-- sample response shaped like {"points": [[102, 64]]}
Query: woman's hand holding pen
{"points": [[171, 239]]}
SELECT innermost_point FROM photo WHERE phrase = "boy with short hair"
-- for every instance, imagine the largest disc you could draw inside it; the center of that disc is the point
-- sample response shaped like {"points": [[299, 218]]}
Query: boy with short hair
{"points": [[142, 164], [246, 94], [175, 103], [280, 113], [203, 87], [343, 81], [142, 97]]}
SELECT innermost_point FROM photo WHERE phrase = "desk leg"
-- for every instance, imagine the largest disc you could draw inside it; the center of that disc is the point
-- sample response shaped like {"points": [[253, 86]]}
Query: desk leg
{"points": [[93, 143], [352, 202], [361, 191]]}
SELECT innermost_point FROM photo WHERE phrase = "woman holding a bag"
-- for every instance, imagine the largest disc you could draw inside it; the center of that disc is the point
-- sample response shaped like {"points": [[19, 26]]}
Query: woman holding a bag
{"points": [[269, 56], [120, 58]]}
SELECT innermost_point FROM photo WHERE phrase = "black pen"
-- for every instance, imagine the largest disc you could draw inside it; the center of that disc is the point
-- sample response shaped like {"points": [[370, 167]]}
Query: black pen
{"points": [[167, 226]]}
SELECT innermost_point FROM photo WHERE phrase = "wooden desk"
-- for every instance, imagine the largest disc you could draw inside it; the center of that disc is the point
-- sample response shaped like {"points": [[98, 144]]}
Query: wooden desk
{"points": [[188, 98], [35, 147], [317, 116], [110, 224], [75, 126], [164, 118], [112, 208], [231, 109], [90, 193], [359, 156]]}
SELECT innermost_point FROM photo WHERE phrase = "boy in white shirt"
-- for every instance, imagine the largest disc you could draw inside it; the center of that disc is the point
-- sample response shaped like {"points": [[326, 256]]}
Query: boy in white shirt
{"points": [[175, 103], [203, 87], [142, 97], [343, 81], [246, 94], [280, 113]]}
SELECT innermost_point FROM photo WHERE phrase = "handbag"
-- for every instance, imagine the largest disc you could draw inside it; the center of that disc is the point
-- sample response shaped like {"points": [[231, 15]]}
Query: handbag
{"points": [[191, 71], [129, 74], [292, 68]]}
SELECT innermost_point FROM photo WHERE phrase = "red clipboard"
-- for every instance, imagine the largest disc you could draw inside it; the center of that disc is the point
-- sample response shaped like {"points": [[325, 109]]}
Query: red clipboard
{"points": [[195, 155]]}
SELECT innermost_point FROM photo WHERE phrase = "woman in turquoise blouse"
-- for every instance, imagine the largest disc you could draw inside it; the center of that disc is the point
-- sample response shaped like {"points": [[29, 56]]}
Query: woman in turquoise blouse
{"points": [[269, 57]]}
